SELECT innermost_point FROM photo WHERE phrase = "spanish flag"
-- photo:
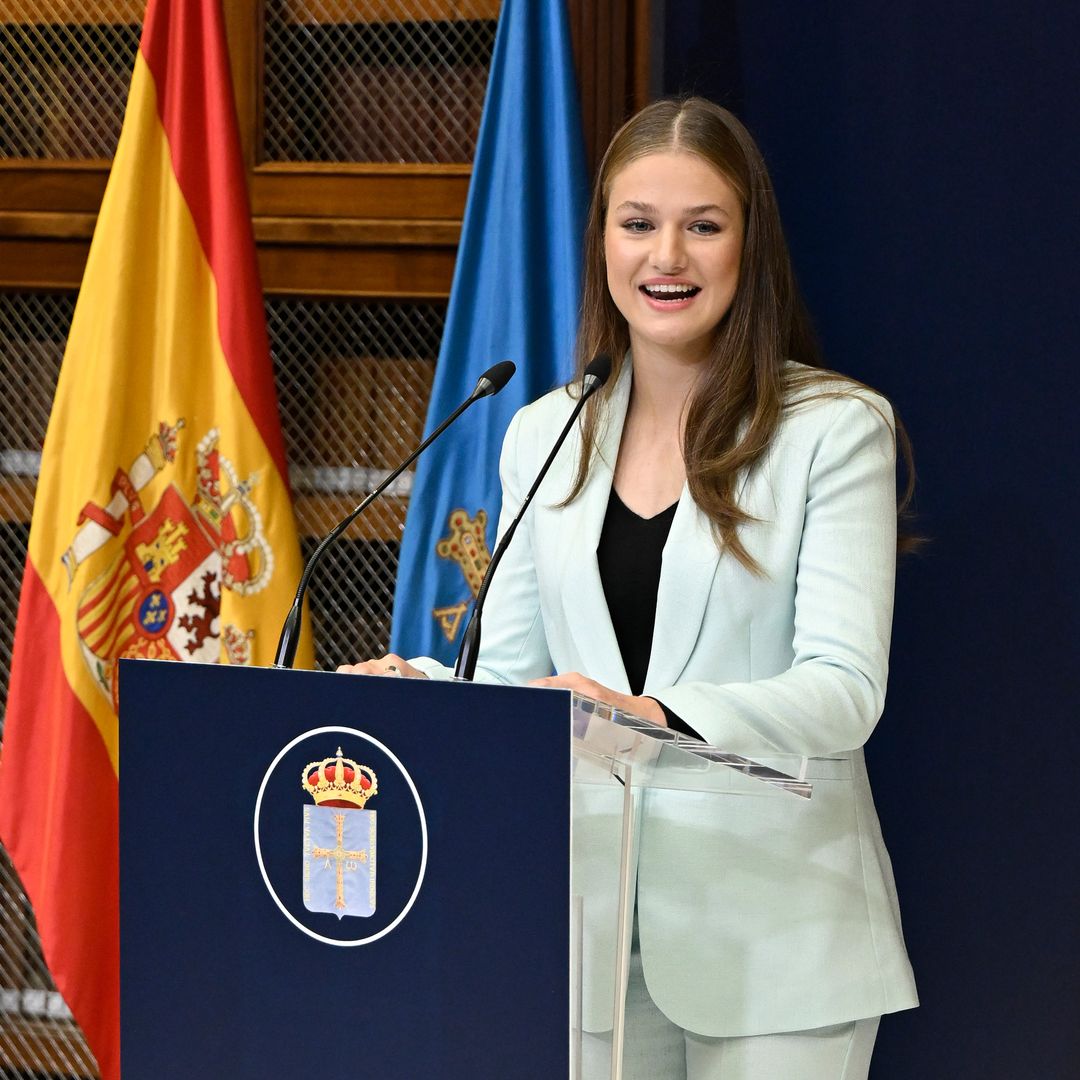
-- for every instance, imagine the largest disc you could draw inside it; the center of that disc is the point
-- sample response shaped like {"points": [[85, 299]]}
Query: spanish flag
{"points": [[163, 525]]}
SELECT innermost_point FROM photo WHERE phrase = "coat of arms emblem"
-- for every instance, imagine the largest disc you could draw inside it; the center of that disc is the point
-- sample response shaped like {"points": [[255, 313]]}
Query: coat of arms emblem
{"points": [[160, 595], [339, 837]]}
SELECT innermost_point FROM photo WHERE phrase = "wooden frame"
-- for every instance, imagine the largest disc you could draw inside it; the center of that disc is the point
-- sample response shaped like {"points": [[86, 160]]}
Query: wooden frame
{"points": [[321, 229]]}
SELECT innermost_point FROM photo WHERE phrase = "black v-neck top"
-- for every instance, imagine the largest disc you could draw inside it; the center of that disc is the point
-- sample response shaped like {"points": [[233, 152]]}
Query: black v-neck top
{"points": [[629, 555]]}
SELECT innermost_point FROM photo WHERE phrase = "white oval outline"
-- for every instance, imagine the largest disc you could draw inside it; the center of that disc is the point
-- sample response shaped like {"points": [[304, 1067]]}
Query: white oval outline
{"points": [[423, 836]]}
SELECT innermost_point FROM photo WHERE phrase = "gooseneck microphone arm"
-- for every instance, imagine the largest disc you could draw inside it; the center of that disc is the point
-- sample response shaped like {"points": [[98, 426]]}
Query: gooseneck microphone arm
{"points": [[491, 382], [596, 374]]}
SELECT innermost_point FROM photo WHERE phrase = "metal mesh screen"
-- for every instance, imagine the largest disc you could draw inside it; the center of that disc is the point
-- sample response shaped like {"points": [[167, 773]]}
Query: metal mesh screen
{"points": [[63, 85], [353, 383], [375, 80], [33, 330], [38, 1038]]}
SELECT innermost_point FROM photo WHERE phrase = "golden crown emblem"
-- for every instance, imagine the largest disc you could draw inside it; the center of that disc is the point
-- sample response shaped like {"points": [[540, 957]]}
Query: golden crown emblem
{"points": [[339, 781]]}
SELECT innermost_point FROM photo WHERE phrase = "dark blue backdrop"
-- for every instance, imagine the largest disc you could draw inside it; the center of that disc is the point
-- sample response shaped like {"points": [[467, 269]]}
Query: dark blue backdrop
{"points": [[927, 161]]}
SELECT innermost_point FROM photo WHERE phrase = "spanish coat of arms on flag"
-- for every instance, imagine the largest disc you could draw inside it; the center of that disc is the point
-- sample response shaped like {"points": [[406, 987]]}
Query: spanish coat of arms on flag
{"points": [[160, 593]]}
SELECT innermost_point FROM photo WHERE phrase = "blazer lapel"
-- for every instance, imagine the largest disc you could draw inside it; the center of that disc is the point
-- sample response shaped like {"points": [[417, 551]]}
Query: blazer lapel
{"points": [[691, 559], [686, 576], [690, 562], [582, 591]]}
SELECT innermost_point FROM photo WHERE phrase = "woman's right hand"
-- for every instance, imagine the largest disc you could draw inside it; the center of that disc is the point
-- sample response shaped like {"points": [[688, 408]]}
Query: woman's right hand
{"points": [[390, 664]]}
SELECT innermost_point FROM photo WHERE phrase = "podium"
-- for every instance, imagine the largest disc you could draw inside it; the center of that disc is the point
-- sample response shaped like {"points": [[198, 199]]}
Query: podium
{"points": [[478, 926]]}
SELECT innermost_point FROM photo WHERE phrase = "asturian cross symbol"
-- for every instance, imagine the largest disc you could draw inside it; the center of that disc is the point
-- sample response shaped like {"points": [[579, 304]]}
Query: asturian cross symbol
{"points": [[346, 860]]}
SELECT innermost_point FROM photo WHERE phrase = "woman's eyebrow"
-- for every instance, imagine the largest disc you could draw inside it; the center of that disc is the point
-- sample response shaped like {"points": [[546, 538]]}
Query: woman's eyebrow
{"points": [[690, 211]]}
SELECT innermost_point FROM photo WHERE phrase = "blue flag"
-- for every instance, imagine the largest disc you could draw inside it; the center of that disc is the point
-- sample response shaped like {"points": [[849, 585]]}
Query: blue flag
{"points": [[515, 296]]}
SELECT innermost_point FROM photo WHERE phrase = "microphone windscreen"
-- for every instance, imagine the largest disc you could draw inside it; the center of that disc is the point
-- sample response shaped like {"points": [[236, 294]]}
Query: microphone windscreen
{"points": [[598, 371], [495, 378]]}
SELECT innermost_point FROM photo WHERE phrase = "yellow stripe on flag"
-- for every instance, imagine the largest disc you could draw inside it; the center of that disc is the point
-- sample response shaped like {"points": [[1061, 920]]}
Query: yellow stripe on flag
{"points": [[144, 351]]}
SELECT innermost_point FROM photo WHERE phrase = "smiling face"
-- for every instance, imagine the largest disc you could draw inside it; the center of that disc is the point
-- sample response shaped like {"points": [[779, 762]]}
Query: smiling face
{"points": [[673, 242]]}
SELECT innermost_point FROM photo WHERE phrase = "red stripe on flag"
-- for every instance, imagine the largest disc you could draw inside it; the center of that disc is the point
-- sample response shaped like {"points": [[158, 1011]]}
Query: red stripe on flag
{"points": [[111, 607], [59, 822], [121, 566], [184, 47], [96, 634]]}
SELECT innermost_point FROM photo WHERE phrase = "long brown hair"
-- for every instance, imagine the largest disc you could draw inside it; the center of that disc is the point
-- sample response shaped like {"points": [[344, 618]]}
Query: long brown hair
{"points": [[737, 404]]}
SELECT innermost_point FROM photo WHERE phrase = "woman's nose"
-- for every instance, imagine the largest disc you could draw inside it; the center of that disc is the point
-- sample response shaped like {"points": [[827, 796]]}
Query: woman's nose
{"points": [[668, 254]]}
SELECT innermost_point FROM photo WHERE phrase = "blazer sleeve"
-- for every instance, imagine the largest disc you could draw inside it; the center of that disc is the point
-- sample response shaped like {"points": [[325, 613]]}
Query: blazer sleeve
{"points": [[831, 697], [513, 647]]}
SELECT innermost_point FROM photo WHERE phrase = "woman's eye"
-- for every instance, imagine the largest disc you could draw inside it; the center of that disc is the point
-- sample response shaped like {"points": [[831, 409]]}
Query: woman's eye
{"points": [[705, 228], [637, 225]]}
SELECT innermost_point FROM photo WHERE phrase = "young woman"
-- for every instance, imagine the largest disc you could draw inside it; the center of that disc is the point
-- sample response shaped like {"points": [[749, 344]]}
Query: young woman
{"points": [[715, 550]]}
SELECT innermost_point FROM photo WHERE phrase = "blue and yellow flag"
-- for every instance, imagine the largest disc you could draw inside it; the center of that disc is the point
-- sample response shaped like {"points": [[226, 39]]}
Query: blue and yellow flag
{"points": [[515, 297]]}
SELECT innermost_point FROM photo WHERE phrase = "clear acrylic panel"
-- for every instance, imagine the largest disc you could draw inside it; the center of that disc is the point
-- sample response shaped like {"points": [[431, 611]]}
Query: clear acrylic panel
{"points": [[620, 765]]}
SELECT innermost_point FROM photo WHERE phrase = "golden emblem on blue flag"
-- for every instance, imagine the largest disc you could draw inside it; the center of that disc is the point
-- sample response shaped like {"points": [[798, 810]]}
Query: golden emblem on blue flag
{"points": [[339, 837], [465, 545]]}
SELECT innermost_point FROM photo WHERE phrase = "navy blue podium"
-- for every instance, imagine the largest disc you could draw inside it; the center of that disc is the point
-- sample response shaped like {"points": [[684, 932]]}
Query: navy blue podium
{"points": [[447, 943]]}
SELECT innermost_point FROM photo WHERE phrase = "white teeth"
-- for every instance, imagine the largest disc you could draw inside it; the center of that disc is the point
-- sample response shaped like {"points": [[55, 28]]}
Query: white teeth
{"points": [[671, 288]]}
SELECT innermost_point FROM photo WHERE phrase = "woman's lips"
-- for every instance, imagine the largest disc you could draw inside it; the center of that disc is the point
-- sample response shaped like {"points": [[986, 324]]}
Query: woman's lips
{"points": [[669, 296]]}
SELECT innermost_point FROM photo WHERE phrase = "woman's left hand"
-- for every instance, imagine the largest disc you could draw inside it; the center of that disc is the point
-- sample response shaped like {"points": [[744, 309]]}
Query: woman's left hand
{"points": [[390, 664], [645, 707]]}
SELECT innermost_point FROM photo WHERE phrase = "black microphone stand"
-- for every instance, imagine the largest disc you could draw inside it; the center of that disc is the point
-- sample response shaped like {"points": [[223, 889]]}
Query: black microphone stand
{"points": [[491, 382], [596, 374]]}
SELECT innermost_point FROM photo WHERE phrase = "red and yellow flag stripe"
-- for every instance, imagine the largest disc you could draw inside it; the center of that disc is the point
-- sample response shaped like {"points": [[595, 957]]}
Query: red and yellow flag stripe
{"points": [[163, 524]]}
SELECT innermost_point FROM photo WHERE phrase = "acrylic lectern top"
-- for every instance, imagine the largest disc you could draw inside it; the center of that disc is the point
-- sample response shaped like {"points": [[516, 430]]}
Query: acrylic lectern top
{"points": [[647, 755]]}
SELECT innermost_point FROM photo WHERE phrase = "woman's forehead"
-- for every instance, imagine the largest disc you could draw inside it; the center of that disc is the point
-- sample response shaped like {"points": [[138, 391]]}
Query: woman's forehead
{"points": [[671, 177]]}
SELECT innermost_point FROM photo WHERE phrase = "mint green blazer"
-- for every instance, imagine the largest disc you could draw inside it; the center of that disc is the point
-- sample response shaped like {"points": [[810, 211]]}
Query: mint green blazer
{"points": [[755, 915]]}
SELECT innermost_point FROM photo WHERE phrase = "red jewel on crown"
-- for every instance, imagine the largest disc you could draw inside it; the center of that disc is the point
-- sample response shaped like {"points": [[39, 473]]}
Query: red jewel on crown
{"points": [[339, 781]]}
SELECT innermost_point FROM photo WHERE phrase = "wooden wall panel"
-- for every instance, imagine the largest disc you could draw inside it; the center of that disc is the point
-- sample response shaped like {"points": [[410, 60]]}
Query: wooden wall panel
{"points": [[417, 192], [56, 186], [612, 56], [387, 272]]}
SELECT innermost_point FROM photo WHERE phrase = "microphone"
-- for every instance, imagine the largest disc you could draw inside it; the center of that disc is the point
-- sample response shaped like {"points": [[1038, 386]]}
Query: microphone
{"points": [[596, 374], [490, 383]]}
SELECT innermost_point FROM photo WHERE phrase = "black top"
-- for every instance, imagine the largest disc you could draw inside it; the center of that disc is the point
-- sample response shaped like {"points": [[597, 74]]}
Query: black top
{"points": [[629, 555]]}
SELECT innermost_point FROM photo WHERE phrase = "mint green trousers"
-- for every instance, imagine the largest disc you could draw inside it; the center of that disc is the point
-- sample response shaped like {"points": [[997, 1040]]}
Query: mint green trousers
{"points": [[657, 1049]]}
